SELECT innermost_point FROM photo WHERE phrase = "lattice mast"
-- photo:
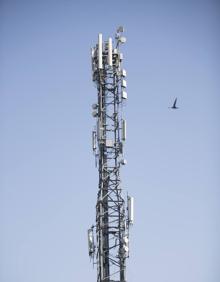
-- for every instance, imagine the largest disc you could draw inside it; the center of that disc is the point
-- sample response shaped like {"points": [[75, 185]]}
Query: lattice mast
{"points": [[113, 216]]}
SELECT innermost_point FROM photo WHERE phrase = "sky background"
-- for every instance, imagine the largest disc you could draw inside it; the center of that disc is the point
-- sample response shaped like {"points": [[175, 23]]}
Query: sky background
{"points": [[48, 179]]}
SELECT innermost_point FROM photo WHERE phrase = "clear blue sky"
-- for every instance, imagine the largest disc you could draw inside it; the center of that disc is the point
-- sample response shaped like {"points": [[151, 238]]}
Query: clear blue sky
{"points": [[48, 181]]}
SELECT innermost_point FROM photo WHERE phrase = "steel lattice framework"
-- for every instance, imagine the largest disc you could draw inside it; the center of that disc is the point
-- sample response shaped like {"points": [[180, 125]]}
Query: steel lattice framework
{"points": [[113, 216]]}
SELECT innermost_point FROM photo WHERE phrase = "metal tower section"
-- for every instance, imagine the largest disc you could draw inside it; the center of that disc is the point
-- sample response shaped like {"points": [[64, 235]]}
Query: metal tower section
{"points": [[114, 215]]}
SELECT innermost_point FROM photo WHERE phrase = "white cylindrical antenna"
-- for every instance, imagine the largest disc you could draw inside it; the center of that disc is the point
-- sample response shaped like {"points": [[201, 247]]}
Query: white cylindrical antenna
{"points": [[130, 210], [110, 51], [93, 140], [100, 50], [124, 130]]}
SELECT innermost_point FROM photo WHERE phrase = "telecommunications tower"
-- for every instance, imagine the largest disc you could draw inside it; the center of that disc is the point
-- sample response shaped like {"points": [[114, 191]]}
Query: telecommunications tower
{"points": [[108, 239]]}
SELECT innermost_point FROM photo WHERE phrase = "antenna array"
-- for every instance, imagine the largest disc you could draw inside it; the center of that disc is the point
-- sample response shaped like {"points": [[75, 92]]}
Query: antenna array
{"points": [[113, 216]]}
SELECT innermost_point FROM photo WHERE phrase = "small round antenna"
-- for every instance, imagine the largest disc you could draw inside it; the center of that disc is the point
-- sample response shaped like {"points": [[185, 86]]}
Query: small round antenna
{"points": [[122, 39]]}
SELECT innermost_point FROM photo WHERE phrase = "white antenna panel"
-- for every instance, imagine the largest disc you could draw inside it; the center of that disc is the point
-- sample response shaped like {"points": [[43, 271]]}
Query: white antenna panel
{"points": [[123, 73], [100, 50], [91, 245], [124, 95], [124, 83], [92, 52], [110, 51], [94, 140], [130, 210], [92, 56], [124, 130]]}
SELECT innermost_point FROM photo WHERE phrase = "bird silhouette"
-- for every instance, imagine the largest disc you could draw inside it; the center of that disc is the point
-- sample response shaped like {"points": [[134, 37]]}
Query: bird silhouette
{"points": [[174, 107]]}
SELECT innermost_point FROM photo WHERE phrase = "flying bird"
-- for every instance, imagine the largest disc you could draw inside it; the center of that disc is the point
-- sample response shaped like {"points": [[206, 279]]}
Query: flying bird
{"points": [[174, 107]]}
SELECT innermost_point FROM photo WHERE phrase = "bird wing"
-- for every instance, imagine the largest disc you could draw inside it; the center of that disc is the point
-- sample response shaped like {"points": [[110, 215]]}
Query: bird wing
{"points": [[174, 104]]}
